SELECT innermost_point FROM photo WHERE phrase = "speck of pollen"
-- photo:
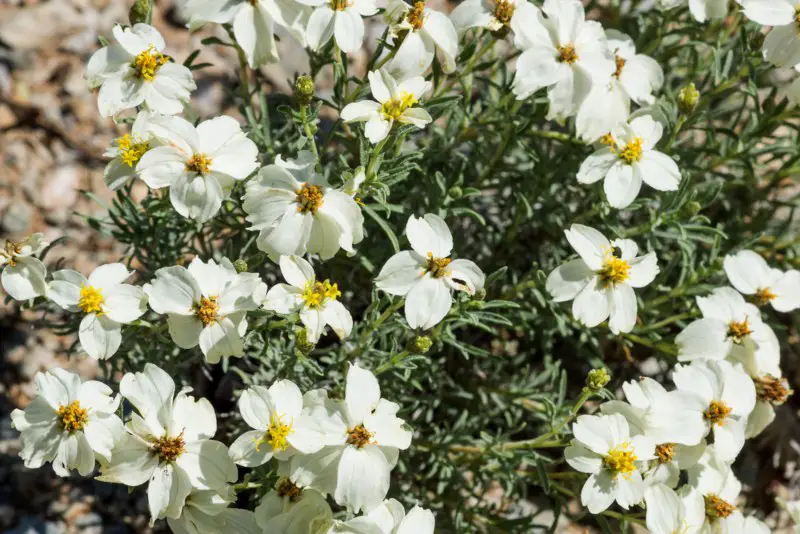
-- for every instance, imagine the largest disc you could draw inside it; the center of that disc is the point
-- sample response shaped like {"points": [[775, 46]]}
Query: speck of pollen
{"points": [[665, 452], [309, 198], [567, 54], [277, 435], [738, 330], [437, 266], [717, 412], [73, 417], [147, 63], [315, 294], [716, 507], [131, 150], [207, 310], [359, 437], [417, 15], [91, 300], [764, 296], [615, 270], [620, 63], [393, 109], [621, 460], [168, 449], [199, 163]]}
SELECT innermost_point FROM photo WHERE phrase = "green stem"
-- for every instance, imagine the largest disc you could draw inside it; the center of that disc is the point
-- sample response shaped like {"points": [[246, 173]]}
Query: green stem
{"points": [[362, 341], [396, 359], [672, 350], [310, 135]]}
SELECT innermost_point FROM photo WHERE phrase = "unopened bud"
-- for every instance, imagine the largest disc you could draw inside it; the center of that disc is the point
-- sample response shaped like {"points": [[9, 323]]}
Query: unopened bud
{"points": [[597, 379], [479, 295], [421, 345], [141, 12], [693, 207], [304, 90], [240, 265], [455, 192], [687, 98], [302, 343]]}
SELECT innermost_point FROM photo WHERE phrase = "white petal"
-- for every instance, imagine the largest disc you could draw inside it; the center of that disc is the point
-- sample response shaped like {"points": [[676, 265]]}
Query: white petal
{"points": [[362, 394], [596, 166], [249, 449], [65, 289], [360, 111], [590, 245], [253, 29], [26, 279], [195, 419], [429, 235], [207, 464], [643, 270], [567, 280], [659, 171], [283, 298], [622, 185], [221, 339], [338, 318], [100, 336], [150, 392], [388, 430], [185, 330], [747, 271], [464, 275], [363, 478], [348, 29], [124, 303], [598, 493], [161, 166], [401, 272], [593, 304], [320, 27], [427, 303], [167, 492], [196, 196], [623, 309]]}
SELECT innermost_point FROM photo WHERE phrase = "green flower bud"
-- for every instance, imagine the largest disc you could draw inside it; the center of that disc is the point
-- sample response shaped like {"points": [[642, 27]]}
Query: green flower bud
{"points": [[479, 295], [455, 192], [141, 12], [301, 342], [304, 90], [421, 345], [693, 207], [597, 379], [687, 98], [240, 265]]}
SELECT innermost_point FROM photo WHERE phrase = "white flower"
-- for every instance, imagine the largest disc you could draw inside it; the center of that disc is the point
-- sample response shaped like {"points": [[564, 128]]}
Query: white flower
{"points": [[395, 102], [426, 275], [23, 275], [669, 512], [630, 160], [126, 151], [604, 448], [206, 304], [253, 23], [67, 423], [562, 52], [749, 273], [199, 165], [289, 509], [340, 19], [132, 72], [494, 15], [636, 77], [168, 444], [428, 30], [714, 480], [602, 280], [208, 512], [730, 328], [316, 302], [725, 396], [106, 301], [356, 470], [671, 459], [390, 518], [296, 212], [781, 46], [282, 426], [771, 390]]}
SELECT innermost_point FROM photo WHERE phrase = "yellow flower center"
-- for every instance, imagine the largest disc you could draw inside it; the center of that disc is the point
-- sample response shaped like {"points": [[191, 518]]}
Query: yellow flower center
{"points": [[168, 449], [131, 150], [359, 437], [309, 198], [608, 140], [621, 460], [437, 266], [771, 389], [716, 412], [764, 296], [287, 488], [632, 152], [665, 452], [147, 63], [91, 300], [277, 435], [417, 15], [615, 270], [73, 417], [339, 5], [620, 62], [567, 54], [394, 108], [717, 508], [207, 310], [739, 330], [316, 293], [503, 11], [11, 250], [199, 163]]}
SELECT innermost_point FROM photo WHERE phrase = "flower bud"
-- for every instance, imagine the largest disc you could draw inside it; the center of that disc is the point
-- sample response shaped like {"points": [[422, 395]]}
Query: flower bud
{"points": [[240, 265], [687, 98], [421, 345], [479, 294], [304, 90], [141, 12], [301, 342], [455, 192], [597, 379]]}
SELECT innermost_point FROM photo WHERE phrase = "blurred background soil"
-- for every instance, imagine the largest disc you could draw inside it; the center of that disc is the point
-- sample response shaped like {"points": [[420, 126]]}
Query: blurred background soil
{"points": [[52, 141]]}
